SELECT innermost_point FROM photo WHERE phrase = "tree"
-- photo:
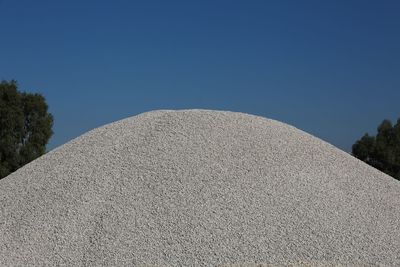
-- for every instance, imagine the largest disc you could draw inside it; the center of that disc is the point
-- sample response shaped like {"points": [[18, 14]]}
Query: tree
{"points": [[383, 150], [25, 127]]}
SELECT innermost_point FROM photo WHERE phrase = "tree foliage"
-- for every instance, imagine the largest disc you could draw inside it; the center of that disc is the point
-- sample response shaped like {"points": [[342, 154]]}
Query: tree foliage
{"points": [[383, 150], [25, 127]]}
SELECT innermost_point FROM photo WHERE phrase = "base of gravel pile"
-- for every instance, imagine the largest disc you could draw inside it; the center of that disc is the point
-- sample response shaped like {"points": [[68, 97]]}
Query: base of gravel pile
{"points": [[297, 264], [198, 187]]}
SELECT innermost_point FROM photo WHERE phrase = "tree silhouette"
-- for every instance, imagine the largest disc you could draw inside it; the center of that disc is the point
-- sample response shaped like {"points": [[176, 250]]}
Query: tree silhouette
{"points": [[383, 150], [25, 127]]}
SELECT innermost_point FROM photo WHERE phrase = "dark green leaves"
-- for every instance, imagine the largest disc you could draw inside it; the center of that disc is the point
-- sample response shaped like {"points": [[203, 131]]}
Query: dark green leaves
{"points": [[382, 151], [25, 127]]}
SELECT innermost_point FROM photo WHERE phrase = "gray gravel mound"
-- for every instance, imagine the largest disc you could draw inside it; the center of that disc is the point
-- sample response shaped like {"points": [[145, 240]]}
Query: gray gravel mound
{"points": [[198, 188]]}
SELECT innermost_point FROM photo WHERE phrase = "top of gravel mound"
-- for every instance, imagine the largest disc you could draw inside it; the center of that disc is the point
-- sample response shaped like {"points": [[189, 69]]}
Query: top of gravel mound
{"points": [[198, 187]]}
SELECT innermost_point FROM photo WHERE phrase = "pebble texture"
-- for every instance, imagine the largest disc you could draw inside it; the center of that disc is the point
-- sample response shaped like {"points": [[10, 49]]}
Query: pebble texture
{"points": [[198, 188]]}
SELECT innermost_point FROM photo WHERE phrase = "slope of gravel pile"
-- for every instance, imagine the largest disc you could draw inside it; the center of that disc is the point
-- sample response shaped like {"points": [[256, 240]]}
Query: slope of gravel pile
{"points": [[202, 188]]}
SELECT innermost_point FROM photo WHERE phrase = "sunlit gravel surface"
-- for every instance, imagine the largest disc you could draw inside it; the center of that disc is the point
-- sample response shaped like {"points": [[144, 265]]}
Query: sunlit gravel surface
{"points": [[198, 188]]}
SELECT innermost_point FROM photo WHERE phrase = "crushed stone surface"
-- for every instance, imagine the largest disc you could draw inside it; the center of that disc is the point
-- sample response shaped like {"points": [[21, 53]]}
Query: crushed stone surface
{"points": [[198, 188]]}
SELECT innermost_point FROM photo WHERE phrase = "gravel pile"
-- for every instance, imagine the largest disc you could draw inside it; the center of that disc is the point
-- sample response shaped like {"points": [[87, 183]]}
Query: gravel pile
{"points": [[198, 188]]}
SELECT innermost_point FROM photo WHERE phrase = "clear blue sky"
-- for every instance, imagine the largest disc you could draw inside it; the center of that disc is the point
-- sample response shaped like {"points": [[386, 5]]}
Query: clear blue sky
{"points": [[331, 68]]}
